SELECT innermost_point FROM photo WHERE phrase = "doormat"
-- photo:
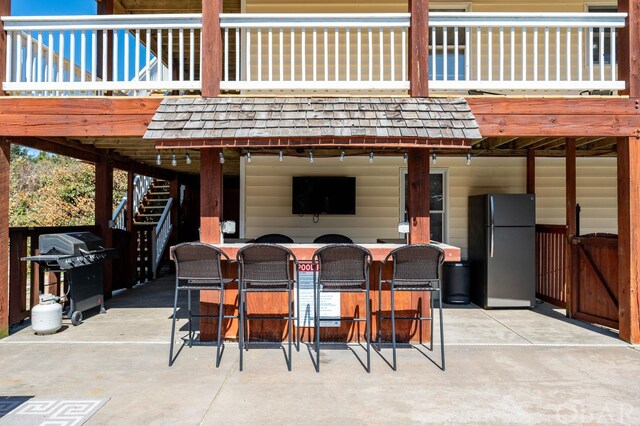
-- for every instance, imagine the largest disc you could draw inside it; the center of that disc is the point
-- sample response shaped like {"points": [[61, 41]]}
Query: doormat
{"points": [[27, 411]]}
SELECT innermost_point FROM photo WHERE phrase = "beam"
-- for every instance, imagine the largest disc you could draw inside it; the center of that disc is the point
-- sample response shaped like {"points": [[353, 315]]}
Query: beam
{"points": [[531, 171], [629, 48], [103, 213], [629, 239], [4, 236], [78, 152], [328, 142], [419, 49], [211, 48], [5, 10], [419, 196], [572, 226], [210, 195]]}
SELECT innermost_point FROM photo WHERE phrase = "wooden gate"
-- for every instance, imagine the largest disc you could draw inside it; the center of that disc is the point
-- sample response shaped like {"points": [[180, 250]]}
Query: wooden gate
{"points": [[594, 289], [551, 264]]}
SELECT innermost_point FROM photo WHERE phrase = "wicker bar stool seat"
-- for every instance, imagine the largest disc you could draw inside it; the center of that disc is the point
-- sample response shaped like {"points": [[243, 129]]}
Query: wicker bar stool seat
{"points": [[266, 268], [341, 268], [416, 267], [198, 267]]}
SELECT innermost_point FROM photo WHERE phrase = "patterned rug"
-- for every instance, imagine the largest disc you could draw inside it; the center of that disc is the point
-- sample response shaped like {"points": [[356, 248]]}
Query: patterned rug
{"points": [[28, 411]]}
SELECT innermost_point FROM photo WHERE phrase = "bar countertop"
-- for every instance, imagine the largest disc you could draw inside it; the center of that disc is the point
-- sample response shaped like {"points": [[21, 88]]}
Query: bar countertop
{"points": [[304, 252]]}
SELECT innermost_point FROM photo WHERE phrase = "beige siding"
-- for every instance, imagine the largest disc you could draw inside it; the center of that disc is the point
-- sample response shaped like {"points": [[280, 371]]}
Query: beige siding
{"points": [[268, 194]]}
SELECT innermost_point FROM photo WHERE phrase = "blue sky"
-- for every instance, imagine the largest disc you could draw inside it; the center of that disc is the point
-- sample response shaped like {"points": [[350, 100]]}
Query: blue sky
{"points": [[53, 7]]}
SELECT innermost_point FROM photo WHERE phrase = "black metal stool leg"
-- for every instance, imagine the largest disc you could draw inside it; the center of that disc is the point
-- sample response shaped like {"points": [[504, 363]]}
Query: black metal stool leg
{"points": [[316, 321], [290, 333], [368, 331], [431, 301], [173, 325], [393, 326], [240, 323], [220, 317], [441, 329], [189, 309]]}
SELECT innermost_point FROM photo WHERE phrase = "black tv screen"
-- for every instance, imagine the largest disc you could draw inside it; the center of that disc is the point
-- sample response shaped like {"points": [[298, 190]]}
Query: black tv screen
{"points": [[324, 195]]}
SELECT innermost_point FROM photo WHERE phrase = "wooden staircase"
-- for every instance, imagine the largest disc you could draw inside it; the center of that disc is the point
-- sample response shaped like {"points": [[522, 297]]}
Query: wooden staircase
{"points": [[153, 204]]}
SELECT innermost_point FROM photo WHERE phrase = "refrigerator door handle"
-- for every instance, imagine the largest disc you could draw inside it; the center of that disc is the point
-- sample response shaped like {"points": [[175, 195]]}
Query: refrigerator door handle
{"points": [[491, 242], [491, 211]]}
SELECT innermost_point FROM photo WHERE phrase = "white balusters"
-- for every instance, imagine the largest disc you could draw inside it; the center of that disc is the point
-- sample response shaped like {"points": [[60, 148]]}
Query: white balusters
{"points": [[550, 45], [327, 52]]}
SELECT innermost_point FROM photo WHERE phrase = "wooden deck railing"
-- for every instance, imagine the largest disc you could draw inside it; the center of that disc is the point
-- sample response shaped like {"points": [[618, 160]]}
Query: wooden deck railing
{"points": [[530, 52], [551, 263], [26, 280]]}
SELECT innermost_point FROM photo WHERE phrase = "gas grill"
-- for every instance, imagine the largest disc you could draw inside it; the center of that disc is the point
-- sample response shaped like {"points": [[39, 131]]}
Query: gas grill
{"points": [[79, 255]]}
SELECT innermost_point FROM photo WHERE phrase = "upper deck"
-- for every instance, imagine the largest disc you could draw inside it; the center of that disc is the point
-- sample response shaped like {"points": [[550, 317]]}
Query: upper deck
{"points": [[522, 53]]}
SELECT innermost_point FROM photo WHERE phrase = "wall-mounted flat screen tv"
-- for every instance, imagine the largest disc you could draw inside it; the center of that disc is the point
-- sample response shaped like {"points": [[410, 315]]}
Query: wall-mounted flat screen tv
{"points": [[324, 195]]}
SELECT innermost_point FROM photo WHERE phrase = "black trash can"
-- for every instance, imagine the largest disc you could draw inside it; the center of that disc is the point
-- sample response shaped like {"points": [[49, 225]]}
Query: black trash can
{"points": [[456, 282]]}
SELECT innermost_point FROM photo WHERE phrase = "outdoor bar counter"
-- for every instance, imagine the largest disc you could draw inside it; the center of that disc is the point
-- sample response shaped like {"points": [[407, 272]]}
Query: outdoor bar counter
{"points": [[408, 304]]}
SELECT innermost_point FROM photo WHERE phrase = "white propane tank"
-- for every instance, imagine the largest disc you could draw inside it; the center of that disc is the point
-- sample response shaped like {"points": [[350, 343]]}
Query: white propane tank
{"points": [[46, 317]]}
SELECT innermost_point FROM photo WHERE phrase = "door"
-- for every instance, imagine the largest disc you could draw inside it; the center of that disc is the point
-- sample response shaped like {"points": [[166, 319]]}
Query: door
{"points": [[511, 267], [512, 210]]}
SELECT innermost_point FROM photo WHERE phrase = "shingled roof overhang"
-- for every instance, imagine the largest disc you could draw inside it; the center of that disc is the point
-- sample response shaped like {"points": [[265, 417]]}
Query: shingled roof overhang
{"points": [[266, 122]]}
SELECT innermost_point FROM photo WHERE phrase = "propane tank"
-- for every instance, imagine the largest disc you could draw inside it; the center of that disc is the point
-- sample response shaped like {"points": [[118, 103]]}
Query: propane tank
{"points": [[46, 317]]}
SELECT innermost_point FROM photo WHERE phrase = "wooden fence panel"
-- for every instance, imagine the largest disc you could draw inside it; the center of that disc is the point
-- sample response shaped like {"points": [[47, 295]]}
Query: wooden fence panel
{"points": [[551, 265]]}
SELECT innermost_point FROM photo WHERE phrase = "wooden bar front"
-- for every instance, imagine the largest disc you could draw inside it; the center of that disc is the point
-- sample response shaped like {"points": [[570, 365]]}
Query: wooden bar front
{"points": [[408, 304]]}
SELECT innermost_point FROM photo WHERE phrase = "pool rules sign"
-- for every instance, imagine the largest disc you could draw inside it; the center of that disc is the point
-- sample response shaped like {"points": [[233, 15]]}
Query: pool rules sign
{"points": [[329, 302]]}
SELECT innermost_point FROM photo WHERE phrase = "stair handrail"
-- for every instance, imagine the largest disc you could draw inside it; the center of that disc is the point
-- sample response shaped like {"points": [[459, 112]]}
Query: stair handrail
{"points": [[118, 220], [141, 185], [160, 237]]}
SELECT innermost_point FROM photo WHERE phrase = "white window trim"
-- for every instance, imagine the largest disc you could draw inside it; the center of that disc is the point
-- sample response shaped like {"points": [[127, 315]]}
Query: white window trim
{"points": [[445, 193]]}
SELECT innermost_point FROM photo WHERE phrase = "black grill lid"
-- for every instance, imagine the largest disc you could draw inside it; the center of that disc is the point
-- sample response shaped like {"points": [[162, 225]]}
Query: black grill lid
{"points": [[72, 243]]}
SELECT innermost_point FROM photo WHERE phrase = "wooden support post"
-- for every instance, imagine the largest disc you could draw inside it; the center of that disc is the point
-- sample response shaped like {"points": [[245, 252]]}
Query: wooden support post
{"points": [[419, 196], [211, 48], [103, 213], [629, 239], [210, 195], [130, 190], [419, 49], [5, 10], [629, 48], [570, 189], [531, 171], [174, 192], [105, 7], [4, 236]]}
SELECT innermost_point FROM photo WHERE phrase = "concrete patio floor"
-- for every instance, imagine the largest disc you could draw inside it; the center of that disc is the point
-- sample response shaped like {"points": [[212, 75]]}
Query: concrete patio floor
{"points": [[503, 366]]}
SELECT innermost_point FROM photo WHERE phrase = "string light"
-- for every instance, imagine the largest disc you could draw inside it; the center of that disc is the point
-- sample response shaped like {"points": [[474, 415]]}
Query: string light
{"points": [[221, 158], [405, 157], [434, 159], [342, 155], [187, 158], [468, 158], [174, 161], [311, 159], [248, 157], [280, 156], [371, 157], [158, 159]]}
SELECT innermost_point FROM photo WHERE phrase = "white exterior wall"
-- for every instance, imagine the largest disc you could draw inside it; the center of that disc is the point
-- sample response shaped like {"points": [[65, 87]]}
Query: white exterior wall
{"points": [[267, 196]]}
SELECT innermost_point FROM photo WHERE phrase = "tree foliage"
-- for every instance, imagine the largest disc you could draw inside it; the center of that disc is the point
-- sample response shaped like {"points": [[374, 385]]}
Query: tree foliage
{"points": [[51, 190]]}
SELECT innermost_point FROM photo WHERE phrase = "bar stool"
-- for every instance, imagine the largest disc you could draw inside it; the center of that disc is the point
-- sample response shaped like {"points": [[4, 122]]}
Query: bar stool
{"points": [[198, 268], [342, 268], [416, 267], [265, 268]]}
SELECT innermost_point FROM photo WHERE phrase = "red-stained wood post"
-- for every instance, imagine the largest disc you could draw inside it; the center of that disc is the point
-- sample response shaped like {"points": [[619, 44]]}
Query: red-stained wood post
{"points": [[210, 195], [629, 239], [105, 7], [419, 49], [572, 225], [174, 193], [4, 236], [531, 171], [211, 48], [419, 196], [5, 10], [104, 212], [130, 189], [629, 182]]}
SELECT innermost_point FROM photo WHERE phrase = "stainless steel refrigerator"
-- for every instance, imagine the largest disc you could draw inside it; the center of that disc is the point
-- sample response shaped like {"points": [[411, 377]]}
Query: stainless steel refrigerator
{"points": [[502, 250]]}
